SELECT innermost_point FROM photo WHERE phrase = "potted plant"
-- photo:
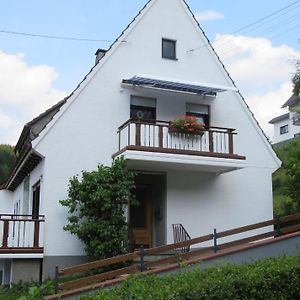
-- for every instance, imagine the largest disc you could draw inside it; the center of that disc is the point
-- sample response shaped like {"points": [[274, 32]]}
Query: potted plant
{"points": [[186, 124]]}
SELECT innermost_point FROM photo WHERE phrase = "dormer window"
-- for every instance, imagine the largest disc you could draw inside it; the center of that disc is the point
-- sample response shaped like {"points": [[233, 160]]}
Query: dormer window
{"points": [[169, 49]]}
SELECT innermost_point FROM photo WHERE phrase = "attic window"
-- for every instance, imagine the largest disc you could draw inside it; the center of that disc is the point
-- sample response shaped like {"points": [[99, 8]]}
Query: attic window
{"points": [[169, 49]]}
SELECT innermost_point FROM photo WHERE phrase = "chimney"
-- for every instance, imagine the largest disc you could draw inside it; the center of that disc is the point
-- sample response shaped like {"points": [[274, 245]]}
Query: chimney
{"points": [[99, 55]]}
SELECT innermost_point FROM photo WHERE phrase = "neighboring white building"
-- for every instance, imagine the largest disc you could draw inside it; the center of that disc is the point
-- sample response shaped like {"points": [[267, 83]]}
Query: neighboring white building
{"points": [[287, 126], [221, 179]]}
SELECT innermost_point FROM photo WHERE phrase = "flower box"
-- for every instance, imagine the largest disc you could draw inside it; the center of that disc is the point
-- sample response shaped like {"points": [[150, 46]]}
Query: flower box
{"points": [[174, 130], [186, 125]]}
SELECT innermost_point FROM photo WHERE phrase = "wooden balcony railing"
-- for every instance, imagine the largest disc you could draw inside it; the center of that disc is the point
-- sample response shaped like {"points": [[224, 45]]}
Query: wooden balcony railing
{"points": [[158, 136], [21, 233]]}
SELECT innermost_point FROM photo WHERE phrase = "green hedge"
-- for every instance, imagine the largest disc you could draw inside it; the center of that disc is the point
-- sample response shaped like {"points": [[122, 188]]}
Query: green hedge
{"points": [[275, 278]]}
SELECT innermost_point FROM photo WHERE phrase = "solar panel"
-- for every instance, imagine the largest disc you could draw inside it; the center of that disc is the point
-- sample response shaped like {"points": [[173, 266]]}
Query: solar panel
{"points": [[173, 86]]}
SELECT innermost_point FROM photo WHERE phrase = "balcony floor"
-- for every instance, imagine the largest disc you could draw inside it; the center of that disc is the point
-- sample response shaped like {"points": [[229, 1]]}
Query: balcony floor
{"points": [[153, 159]]}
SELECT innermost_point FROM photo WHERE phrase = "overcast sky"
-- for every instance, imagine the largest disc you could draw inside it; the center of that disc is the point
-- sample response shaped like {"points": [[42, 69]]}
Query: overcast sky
{"points": [[35, 73]]}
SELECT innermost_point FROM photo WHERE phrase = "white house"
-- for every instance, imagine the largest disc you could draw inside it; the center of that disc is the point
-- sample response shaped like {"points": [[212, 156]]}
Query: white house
{"points": [[287, 125], [162, 66]]}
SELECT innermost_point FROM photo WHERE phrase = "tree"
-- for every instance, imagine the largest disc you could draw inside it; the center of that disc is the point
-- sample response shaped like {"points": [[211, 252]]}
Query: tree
{"points": [[296, 79], [286, 181], [96, 204], [7, 161]]}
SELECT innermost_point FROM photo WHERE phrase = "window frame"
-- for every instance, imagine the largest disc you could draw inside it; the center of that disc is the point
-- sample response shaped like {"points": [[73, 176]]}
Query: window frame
{"points": [[175, 49], [36, 199], [284, 129], [152, 109], [204, 116]]}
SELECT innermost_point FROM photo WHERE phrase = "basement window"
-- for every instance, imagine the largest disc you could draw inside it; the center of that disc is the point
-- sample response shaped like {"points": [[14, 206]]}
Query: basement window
{"points": [[169, 49]]}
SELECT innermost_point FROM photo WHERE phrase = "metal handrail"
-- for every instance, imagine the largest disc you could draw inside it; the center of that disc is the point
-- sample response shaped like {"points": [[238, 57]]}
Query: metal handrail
{"points": [[181, 235]]}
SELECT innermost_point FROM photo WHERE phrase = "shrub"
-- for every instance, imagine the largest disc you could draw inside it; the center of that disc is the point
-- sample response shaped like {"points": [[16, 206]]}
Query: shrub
{"points": [[96, 205], [27, 291], [276, 278]]}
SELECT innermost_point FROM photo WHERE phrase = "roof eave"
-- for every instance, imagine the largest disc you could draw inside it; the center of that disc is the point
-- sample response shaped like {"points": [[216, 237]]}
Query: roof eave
{"points": [[27, 161]]}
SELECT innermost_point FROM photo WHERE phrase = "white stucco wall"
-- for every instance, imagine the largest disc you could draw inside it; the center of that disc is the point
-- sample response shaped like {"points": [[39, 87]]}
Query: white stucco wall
{"points": [[282, 137], [293, 129], [6, 201], [202, 202], [83, 134], [18, 194]]}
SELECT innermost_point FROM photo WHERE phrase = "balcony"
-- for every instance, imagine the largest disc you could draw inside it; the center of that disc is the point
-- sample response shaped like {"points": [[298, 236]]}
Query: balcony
{"points": [[154, 145], [21, 234]]}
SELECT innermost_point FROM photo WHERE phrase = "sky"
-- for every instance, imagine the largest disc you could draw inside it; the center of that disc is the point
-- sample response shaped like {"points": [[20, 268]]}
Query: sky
{"points": [[36, 73]]}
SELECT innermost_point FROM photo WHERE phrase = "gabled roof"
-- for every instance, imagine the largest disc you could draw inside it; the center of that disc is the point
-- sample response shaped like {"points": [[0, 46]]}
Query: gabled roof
{"points": [[293, 100], [122, 39], [27, 159], [55, 109], [24, 146], [280, 118], [28, 134], [26, 163]]}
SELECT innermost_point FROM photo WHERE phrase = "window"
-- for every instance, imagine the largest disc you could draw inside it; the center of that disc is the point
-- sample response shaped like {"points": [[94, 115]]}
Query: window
{"points": [[25, 208], [142, 108], [36, 200], [284, 129], [169, 49], [201, 112], [297, 135]]}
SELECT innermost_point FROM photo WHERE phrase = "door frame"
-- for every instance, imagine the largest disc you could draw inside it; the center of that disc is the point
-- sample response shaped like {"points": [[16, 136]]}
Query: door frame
{"points": [[149, 216], [36, 198]]}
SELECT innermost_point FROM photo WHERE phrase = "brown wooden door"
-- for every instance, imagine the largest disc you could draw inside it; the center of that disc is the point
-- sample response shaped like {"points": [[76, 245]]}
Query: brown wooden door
{"points": [[141, 216]]}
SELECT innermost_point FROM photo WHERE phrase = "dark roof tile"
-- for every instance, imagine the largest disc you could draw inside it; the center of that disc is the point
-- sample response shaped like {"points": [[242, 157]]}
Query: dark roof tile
{"points": [[294, 99], [280, 118]]}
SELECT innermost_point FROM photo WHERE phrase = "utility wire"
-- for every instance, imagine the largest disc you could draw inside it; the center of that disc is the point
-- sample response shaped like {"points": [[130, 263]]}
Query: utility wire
{"points": [[272, 19], [279, 25], [54, 36], [275, 37], [110, 41], [266, 17], [251, 24]]}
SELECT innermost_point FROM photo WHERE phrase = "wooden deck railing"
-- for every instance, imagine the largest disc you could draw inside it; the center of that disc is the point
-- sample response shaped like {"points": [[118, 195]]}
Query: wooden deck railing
{"points": [[158, 136], [272, 229], [21, 233]]}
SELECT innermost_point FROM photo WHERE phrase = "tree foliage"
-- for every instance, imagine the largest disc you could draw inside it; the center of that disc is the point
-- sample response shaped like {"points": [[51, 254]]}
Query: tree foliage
{"points": [[7, 160], [286, 181], [296, 79], [96, 204]]}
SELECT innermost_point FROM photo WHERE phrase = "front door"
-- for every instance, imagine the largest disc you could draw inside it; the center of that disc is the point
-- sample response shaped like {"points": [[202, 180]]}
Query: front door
{"points": [[141, 216]]}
